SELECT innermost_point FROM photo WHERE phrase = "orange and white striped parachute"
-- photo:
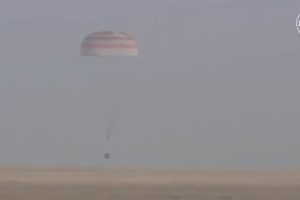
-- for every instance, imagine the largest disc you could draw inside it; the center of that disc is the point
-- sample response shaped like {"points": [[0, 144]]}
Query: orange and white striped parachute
{"points": [[109, 43]]}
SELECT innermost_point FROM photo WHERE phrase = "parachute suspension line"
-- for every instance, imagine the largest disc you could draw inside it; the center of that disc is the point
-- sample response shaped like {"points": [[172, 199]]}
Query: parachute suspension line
{"points": [[112, 125], [116, 113]]}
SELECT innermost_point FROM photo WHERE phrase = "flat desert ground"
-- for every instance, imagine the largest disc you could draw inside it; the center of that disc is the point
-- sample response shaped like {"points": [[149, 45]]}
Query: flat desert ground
{"points": [[39, 183]]}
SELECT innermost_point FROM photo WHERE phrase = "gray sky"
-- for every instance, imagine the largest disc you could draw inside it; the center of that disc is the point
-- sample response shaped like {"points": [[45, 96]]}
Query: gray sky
{"points": [[216, 84]]}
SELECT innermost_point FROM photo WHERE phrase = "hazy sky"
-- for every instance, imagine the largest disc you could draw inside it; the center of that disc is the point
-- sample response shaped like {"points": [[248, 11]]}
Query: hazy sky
{"points": [[216, 83]]}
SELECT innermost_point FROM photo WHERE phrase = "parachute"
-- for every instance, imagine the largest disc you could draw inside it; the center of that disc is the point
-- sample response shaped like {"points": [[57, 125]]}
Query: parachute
{"points": [[109, 44]]}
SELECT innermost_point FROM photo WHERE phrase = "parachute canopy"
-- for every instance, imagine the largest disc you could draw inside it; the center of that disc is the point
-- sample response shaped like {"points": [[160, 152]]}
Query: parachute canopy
{"points": [[108, 43]]}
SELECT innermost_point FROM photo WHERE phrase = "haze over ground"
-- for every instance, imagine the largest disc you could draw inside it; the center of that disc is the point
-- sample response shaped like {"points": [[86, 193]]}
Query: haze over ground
{"points": [[216, 84]]}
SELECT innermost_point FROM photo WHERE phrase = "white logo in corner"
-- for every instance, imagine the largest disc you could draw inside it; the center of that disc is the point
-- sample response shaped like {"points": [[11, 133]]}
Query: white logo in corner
{"points": [[298, 23]]}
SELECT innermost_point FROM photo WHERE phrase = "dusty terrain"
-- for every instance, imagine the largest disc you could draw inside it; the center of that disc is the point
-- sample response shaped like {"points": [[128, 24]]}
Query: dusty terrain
{"points": [[84, 184]]}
